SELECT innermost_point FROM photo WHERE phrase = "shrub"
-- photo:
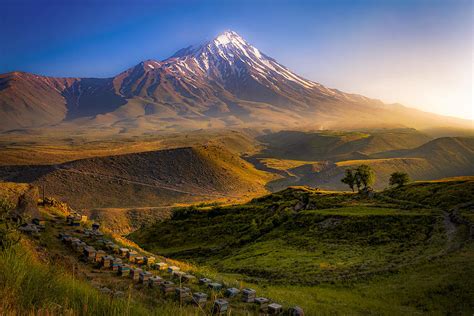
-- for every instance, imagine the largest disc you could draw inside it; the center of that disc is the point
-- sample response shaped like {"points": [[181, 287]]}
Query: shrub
{"points": [[399, 179]]}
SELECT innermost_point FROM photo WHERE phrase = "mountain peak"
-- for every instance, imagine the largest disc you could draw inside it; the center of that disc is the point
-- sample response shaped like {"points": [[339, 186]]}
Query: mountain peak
{"points": [[226, 40], [228, 37]]}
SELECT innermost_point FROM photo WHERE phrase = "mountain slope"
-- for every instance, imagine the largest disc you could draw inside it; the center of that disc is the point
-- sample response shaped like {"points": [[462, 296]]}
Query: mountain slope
{"points": [[28, 100], [145, 179], [221, 83]]}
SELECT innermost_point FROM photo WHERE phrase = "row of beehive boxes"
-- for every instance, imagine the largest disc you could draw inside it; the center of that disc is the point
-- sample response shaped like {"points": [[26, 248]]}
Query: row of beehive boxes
{"points": [[183, 294]]}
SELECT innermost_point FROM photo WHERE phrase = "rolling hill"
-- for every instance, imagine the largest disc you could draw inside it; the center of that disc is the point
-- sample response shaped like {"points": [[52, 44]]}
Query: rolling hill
{"points": [[225, 82], [309, 246], [338, 145], [320, 158], [149, 178]]}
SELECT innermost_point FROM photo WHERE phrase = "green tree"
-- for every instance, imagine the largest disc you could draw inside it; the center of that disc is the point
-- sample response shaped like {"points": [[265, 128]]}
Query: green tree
{"points": [[399, 179], [349, 178], [357, 180], [366, 175]]}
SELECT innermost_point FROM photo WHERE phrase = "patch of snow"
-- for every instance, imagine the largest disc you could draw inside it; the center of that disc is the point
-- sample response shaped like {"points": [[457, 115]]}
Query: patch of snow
{"points": [[222, 39]]}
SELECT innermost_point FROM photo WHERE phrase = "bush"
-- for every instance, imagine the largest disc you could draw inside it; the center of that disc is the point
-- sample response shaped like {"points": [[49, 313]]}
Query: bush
{"points": [[399, 179]]}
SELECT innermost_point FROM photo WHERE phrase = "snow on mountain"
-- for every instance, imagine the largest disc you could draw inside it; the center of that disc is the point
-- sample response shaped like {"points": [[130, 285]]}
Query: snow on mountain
{"points": [[223, 82], [226, 65]]}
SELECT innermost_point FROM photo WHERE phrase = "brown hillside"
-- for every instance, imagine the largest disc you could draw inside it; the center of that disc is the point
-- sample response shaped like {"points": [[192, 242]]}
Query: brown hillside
{"points": [[443, 157], [146, 179]]}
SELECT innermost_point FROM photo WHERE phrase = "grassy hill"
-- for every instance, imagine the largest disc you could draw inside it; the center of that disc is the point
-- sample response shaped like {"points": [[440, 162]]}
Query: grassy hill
{"points": [[323, 248], [338, 145], [38, 276], [453, 155], [145, 179], [126, 220], [36, 147], [331, 253], [439, 158]]}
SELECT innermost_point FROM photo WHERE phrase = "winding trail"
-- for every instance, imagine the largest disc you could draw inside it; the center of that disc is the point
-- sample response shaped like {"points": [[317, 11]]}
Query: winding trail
{"points": [[158, 186], [451, 230]]}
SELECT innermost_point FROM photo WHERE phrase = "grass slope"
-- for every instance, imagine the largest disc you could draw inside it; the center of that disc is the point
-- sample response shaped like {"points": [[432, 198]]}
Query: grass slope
{"points": [[320, 249], [338, 145]]}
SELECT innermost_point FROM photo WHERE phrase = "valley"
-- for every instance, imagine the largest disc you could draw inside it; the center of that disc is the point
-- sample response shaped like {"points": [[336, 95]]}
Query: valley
{"points": [[221, 165]]}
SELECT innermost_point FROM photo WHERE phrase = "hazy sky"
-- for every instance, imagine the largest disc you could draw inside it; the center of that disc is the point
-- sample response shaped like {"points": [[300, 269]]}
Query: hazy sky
{"points": [[418, 53]]}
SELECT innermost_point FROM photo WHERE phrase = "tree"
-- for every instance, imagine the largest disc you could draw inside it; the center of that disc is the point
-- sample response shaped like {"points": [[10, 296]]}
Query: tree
{"points": [[399, 179], [366, 175], [357, 180], [349, 178]]}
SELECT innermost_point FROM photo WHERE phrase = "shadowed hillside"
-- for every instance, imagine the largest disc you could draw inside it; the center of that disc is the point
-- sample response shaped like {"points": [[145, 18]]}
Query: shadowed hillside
{"points": [[144, 179], [338, 145]]}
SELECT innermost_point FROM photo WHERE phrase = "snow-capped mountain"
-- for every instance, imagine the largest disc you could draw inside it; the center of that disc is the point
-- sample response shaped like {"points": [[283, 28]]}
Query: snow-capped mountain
{"points": [[223, 82], [226, 64]]}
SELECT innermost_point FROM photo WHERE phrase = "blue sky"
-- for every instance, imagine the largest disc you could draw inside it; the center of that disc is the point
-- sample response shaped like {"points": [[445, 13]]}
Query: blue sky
{"points": [[418, 53]]}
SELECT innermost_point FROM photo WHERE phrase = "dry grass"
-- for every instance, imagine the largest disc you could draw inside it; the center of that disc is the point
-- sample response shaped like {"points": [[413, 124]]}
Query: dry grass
{"points": [[284, 164]]}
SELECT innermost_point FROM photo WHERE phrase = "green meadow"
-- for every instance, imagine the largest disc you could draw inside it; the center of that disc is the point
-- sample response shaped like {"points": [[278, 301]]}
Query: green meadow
{"points": [[335, 253]]}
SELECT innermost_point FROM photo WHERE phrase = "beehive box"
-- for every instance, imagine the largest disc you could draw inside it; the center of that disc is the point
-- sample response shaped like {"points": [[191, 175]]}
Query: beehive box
{"points": [[232, 292], [149, 261], [188, 278], [89, 253], [183, 294], [178, 274], [116, 263], [135, 273], [200, 298], [262, 303], [204, 281], [124, 270], [144, 276], [99, 255], [248, 295], [167, 287], [295, 311], [161, 266], [123, 252], [220, 307], [107, 261], [172, 269], [275, 309], [214, 286], [155, 281], [140, 260]]}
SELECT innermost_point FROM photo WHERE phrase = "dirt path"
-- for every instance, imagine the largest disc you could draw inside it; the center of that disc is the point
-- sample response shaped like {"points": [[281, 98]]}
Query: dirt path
{"points": [[451, 229], [159, 186]]}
